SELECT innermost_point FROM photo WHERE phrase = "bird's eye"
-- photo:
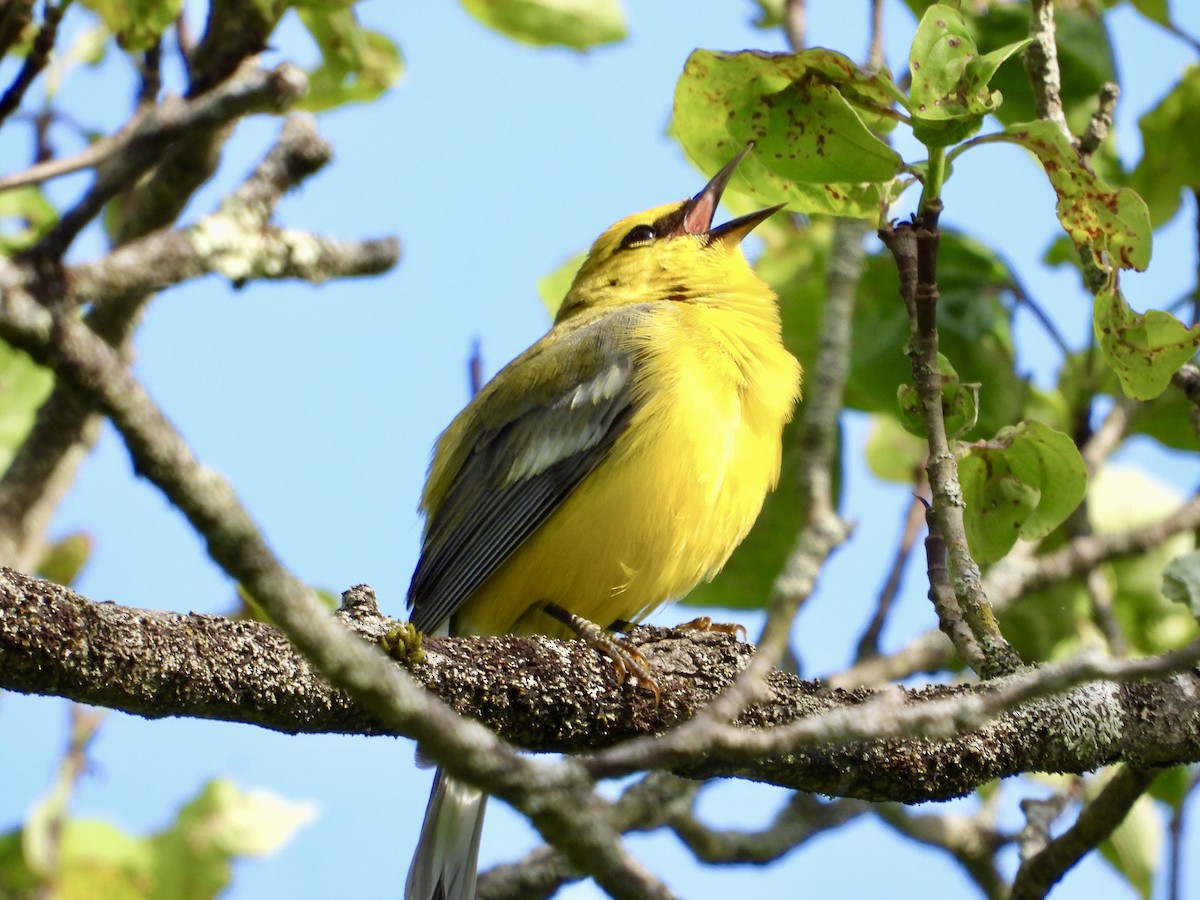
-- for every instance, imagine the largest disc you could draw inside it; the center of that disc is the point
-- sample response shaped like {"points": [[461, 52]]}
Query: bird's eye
{"points": [[639, 235]]}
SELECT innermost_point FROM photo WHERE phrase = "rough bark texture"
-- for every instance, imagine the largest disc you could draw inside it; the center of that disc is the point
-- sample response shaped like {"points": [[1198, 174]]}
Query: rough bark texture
{"points": [[558, 695]]}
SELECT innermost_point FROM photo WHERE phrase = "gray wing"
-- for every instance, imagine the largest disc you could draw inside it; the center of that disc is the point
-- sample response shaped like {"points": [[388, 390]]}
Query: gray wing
{"points": [[520, 471]]}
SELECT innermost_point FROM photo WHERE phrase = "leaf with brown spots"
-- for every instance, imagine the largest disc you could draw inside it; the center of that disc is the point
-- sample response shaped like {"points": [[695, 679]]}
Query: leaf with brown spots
{"points": [[1144, 350], [1022, 484], [811, 115], [950, 93], [1112, 222]]}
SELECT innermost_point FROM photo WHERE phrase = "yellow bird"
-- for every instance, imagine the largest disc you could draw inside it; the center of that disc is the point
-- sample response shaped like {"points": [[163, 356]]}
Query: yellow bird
{"points": [[609, 468]]}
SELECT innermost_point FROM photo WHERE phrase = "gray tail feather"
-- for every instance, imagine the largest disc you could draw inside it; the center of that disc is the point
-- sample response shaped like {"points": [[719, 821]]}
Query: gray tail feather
{"points": [[444, 864]]}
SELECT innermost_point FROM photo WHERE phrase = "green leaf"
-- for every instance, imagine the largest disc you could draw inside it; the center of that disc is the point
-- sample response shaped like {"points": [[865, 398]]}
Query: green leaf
{"points": [[1134, 848], [1110, 221], [1156, 11], [26, 215], [770, 13], [811, 114], [1122, 498], [1170, 131], [1166, 419], [892, 453], [1144, 350], [138, 24], [193, 857], [1023, 484], [1181, 581], [960, 403], [357, 65], [63, 560], [974, 328], [553, 288], [950, 91], [981, 69], [1085, 58], [1057, 622], [578, 24], [190, 860], [24, 386], [17, 880], [1172, 786]]}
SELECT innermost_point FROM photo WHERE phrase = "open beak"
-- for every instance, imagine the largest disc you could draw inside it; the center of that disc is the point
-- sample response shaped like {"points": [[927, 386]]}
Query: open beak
{"points": [[699, 212]]}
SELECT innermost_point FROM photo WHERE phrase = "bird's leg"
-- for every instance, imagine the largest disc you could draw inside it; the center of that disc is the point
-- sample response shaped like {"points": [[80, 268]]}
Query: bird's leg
{"points": [[626, 659], [705, 623]]}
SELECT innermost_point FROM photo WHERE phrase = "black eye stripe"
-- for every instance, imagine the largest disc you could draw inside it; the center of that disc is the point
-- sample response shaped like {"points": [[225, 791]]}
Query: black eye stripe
{"points": [[639, 235]]}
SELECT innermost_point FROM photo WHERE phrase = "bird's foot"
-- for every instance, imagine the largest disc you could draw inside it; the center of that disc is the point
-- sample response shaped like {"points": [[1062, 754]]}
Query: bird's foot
{"points": [[705, 623], [627, 661]]}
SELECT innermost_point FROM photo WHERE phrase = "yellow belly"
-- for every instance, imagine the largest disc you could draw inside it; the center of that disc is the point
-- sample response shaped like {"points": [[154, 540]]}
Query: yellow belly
{"points": [[664, 511]]}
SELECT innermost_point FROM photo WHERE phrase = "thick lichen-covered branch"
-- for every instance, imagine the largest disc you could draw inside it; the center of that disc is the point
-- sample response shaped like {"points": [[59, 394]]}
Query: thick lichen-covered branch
{"points": [[554, 695]]}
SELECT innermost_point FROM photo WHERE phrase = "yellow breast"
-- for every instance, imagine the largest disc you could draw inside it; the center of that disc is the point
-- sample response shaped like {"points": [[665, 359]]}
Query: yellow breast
{"points": [[681, 487]]}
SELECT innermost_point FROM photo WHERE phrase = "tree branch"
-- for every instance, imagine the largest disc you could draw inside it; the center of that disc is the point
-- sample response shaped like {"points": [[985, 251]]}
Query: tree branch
{"points": [[236, 241], [561, 696], [914, 246], [35, 60], [1041, 63], [146, 140], [1015, 575], [1039, 873]]}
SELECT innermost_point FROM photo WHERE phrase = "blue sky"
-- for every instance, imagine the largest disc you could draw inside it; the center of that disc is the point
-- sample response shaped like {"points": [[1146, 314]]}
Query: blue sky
{"points": [[493, 162]]}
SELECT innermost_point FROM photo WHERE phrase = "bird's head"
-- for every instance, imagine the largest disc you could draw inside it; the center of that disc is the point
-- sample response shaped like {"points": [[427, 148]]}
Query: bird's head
{"points": [[668, 252]]}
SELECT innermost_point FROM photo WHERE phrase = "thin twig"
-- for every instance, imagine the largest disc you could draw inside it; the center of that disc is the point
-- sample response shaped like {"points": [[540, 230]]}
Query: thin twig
{"points": [[1187, 379], [155, 132], [1041, 63], [971, 840], [1024, 298], [1175, 842], [85, 724], [1104, 613], [42, 468], [1196, 285], [1105, 440], [800, 820], [914, 246], [575, 822], [1017, 575], [1041, 872], [1041, 814], [35, 60], [1101, 122], [876, 58], [914, 520], [150, 71], [795, 23], [185, 42], [950, 616]]}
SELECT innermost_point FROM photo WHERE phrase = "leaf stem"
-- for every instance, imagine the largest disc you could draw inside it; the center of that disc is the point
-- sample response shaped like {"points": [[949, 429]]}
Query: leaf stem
{"points": [[931, 196]]}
